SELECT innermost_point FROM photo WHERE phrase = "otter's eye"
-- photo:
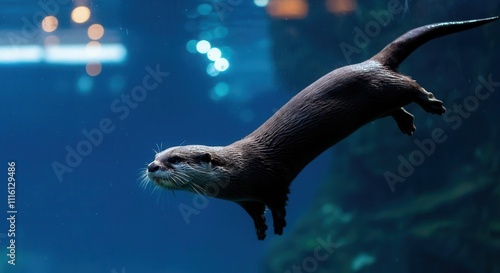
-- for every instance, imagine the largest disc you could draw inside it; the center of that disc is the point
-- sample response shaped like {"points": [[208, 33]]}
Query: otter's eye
{"points": [[205, 157], [174, 159]]}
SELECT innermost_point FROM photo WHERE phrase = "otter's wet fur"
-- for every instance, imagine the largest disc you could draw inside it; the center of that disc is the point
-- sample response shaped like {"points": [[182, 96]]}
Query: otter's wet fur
{"points": [[256, 171]]}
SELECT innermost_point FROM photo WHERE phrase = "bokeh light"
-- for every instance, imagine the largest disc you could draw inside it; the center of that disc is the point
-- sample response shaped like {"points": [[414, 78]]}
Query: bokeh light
{"points": [[220, 90], [261, 3], [95, 31], [191, 46], [84, 84], [51, 40], [221, 64], [93, 49], [206, 35], [288, 9], [203, 46], [80, 14], [204, 9], [214, 54], [211, 71], [93, 69], [49, 23], [341, 6], [220, 32]]}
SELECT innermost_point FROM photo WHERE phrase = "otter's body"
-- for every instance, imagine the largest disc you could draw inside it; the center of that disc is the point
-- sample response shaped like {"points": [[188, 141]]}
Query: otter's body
{"points": [[256, 172]]}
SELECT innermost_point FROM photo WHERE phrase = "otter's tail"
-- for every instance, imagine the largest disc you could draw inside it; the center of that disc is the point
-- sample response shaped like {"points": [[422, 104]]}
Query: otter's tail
{"points": [[394, 53]]}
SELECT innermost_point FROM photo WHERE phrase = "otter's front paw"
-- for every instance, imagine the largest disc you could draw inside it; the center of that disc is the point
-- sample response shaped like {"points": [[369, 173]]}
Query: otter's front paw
{"points": [[256, 211], [261, 230], [430, 104]]}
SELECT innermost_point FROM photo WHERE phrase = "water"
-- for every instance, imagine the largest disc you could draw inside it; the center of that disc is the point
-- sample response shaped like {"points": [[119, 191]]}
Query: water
{"points": [[81, 120]]}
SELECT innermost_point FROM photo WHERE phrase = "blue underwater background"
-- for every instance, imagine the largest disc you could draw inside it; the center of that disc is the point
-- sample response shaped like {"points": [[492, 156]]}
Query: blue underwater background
{"points": [[82, 114]]}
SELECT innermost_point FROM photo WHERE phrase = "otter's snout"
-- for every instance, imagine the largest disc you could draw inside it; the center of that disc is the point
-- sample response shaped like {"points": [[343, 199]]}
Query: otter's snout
{"points": [[153, 167]]}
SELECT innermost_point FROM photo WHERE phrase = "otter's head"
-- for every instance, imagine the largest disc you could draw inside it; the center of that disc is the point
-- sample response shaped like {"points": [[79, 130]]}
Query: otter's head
{"points": [[189, 168]]}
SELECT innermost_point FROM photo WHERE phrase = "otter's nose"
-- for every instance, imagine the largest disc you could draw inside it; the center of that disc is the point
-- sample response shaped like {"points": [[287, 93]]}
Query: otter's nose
{"points": [[153, 167]]}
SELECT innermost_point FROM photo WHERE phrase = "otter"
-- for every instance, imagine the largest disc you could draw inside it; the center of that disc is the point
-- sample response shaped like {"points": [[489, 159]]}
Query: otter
{"points": [[256, 171]]}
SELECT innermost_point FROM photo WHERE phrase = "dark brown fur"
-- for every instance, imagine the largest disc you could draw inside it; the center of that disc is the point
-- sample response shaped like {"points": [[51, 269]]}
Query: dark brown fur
{"points": [[261, 166]]}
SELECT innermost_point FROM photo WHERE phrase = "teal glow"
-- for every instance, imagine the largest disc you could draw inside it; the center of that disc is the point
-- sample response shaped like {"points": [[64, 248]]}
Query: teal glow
{"points": [[221, 89], [191, 46], [204, 9], [261, 3], [220, 32], [211, 71], [84, 84]]}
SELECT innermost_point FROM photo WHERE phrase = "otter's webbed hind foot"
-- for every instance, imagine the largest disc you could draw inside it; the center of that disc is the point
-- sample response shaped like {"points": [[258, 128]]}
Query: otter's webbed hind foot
{"points": [[429, 103], [256, 211], [404, 119]]}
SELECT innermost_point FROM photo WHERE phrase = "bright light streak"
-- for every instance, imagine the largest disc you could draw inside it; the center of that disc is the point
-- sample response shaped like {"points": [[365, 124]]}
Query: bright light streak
{"points": [[77, 54], [21, 54], [63, 54]]}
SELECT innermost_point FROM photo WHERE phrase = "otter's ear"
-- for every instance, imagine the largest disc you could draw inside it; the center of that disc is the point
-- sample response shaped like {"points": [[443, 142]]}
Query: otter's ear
{"points": [[205, 157]]}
